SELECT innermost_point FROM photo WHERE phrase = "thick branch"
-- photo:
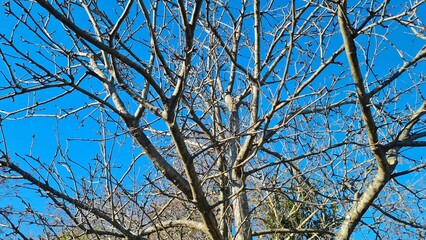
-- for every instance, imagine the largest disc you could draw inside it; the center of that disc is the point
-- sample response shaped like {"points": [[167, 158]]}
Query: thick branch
{"points": [[384, 170], [176, 223], [166, 169]]}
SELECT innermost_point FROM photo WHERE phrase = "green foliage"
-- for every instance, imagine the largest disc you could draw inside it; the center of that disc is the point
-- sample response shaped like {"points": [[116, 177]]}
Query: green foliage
{"points": [[299, 212]]}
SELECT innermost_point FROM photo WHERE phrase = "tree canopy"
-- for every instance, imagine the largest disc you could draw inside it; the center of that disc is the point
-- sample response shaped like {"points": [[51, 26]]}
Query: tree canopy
{"points": [[147, 119]]}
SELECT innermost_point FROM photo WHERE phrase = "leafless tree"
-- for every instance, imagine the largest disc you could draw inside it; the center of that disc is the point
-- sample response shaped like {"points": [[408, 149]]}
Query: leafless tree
{"points": [[212, 119]]}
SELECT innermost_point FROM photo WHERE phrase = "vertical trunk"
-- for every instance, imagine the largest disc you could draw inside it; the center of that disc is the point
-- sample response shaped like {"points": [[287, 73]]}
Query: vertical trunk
{"points": [[239, 202], [234, 175], [240, 206]]}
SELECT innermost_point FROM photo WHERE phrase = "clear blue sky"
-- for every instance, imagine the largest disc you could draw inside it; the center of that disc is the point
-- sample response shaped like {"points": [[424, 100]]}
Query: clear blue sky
{"points": [[42, 135]]}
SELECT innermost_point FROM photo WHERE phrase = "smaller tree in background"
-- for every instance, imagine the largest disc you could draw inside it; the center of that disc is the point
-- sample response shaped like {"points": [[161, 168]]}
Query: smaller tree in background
{"points": [[303, 209]]}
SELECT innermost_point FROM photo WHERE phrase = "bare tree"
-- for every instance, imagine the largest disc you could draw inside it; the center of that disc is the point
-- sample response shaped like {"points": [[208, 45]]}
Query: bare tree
{"points": [[212, 119]]}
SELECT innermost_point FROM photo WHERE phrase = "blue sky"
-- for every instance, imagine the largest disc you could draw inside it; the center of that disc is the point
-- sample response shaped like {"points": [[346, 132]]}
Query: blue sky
{"points": [[80, 136]]}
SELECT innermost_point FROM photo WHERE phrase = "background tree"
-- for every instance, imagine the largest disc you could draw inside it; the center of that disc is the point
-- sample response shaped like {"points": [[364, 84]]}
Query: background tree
{"points": [[212, 119]]}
